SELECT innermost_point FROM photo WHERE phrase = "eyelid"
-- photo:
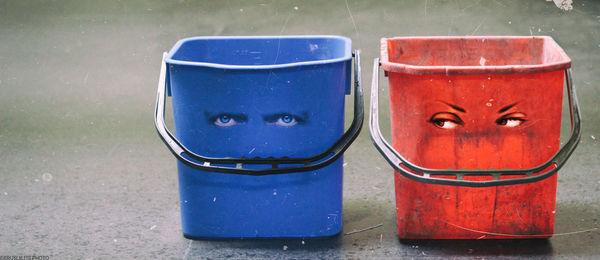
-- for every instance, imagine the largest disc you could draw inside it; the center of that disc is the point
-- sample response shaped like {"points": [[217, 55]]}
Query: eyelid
{"points": [[514, 115], [446, 116]]}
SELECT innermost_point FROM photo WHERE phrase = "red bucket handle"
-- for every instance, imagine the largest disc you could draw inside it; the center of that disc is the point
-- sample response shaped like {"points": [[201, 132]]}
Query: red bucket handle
{"points": [[426, 175], [278, 165]]}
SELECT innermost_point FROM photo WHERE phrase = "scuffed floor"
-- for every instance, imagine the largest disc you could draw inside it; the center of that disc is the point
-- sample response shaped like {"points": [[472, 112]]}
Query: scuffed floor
{"points": [[84, 175]]}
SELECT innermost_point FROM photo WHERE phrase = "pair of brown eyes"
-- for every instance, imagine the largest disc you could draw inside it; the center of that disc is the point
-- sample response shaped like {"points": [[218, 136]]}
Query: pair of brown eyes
{"points": [[447, 120]]}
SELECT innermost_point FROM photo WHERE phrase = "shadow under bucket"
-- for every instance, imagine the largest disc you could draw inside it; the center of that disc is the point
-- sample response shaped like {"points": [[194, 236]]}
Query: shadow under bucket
{"points": [[476, 132], [259, 133]]}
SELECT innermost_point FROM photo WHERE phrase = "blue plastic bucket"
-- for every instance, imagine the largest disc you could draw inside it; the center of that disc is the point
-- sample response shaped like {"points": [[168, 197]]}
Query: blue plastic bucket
{"points": [[259, 133]]}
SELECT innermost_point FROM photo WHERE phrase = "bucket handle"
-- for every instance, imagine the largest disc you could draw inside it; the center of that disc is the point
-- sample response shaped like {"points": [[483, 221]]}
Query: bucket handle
{"points": [[417, 173], [277, 164]]}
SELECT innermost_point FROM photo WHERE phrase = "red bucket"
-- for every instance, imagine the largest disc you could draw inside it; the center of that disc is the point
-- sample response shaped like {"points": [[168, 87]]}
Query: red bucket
{"points": [[476, 127]]}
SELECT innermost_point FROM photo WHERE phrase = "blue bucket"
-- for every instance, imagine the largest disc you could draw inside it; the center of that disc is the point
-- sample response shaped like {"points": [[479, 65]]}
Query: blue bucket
{"points": [[259, 133]]}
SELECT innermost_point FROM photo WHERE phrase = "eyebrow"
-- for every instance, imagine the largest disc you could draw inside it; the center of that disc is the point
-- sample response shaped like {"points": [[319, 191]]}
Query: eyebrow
{"points": [[460, 109], [504, 109]]}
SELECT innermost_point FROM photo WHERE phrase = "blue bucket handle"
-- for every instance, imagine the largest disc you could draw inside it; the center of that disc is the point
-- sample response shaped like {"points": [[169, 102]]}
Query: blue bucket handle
{"points": [[277, 164], [417, 173]]}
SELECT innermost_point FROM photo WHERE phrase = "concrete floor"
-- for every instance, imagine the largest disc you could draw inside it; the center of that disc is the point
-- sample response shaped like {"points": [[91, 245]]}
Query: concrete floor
{"points": [[84, 175]]}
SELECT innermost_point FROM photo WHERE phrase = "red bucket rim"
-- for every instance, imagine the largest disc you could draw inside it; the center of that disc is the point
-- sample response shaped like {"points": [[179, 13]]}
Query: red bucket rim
{"points": [[563, 62]]}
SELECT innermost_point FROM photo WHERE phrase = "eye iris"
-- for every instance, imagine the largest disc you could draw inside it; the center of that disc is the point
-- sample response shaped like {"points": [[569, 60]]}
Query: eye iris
{"points": [[286, 119], [224, 119]]}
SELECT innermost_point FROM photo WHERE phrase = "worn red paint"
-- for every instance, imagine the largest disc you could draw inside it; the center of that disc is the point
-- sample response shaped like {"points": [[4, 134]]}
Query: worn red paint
{"points": [[449, 111]]}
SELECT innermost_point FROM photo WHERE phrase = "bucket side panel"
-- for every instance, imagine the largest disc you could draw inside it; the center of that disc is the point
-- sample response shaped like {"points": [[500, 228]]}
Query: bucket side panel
{"points": [[293, 112], [283, 112], [476, 122], [307, 204]]}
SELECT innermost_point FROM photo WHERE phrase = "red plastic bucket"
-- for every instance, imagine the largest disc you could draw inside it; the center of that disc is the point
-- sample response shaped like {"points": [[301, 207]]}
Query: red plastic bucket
{"points": [[476, 132]]}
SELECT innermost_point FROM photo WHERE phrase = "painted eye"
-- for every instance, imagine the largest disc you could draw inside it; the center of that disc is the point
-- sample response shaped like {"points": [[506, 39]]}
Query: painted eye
{"points": [[286, 120], [224, 121], [446, 120], [446, 124], [512, 119]]}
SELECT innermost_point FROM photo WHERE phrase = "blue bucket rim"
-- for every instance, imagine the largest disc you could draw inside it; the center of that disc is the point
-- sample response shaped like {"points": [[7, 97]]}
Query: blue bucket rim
{"points": [[347, 52]]}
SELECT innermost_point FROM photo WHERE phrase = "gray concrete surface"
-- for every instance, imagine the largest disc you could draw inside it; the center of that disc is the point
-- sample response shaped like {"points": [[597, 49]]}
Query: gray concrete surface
{"points": [[84, 175]]}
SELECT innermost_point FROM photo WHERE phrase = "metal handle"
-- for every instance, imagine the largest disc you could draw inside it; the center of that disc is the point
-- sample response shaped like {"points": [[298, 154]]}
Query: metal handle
{"points": [[417, 173], [277, 164]]}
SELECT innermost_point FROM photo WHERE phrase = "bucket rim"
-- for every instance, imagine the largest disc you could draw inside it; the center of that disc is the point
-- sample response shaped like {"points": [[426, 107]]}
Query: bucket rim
{"points": [[564, 63], [346, 57]]}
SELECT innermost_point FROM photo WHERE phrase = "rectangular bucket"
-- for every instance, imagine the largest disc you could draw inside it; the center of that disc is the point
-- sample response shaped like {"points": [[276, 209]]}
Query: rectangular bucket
{"points": [[259, 133], [476, 127]]}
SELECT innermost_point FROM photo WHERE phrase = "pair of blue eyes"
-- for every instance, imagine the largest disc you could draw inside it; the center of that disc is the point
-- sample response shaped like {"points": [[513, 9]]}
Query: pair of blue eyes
{"points": [[286, 120]]}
